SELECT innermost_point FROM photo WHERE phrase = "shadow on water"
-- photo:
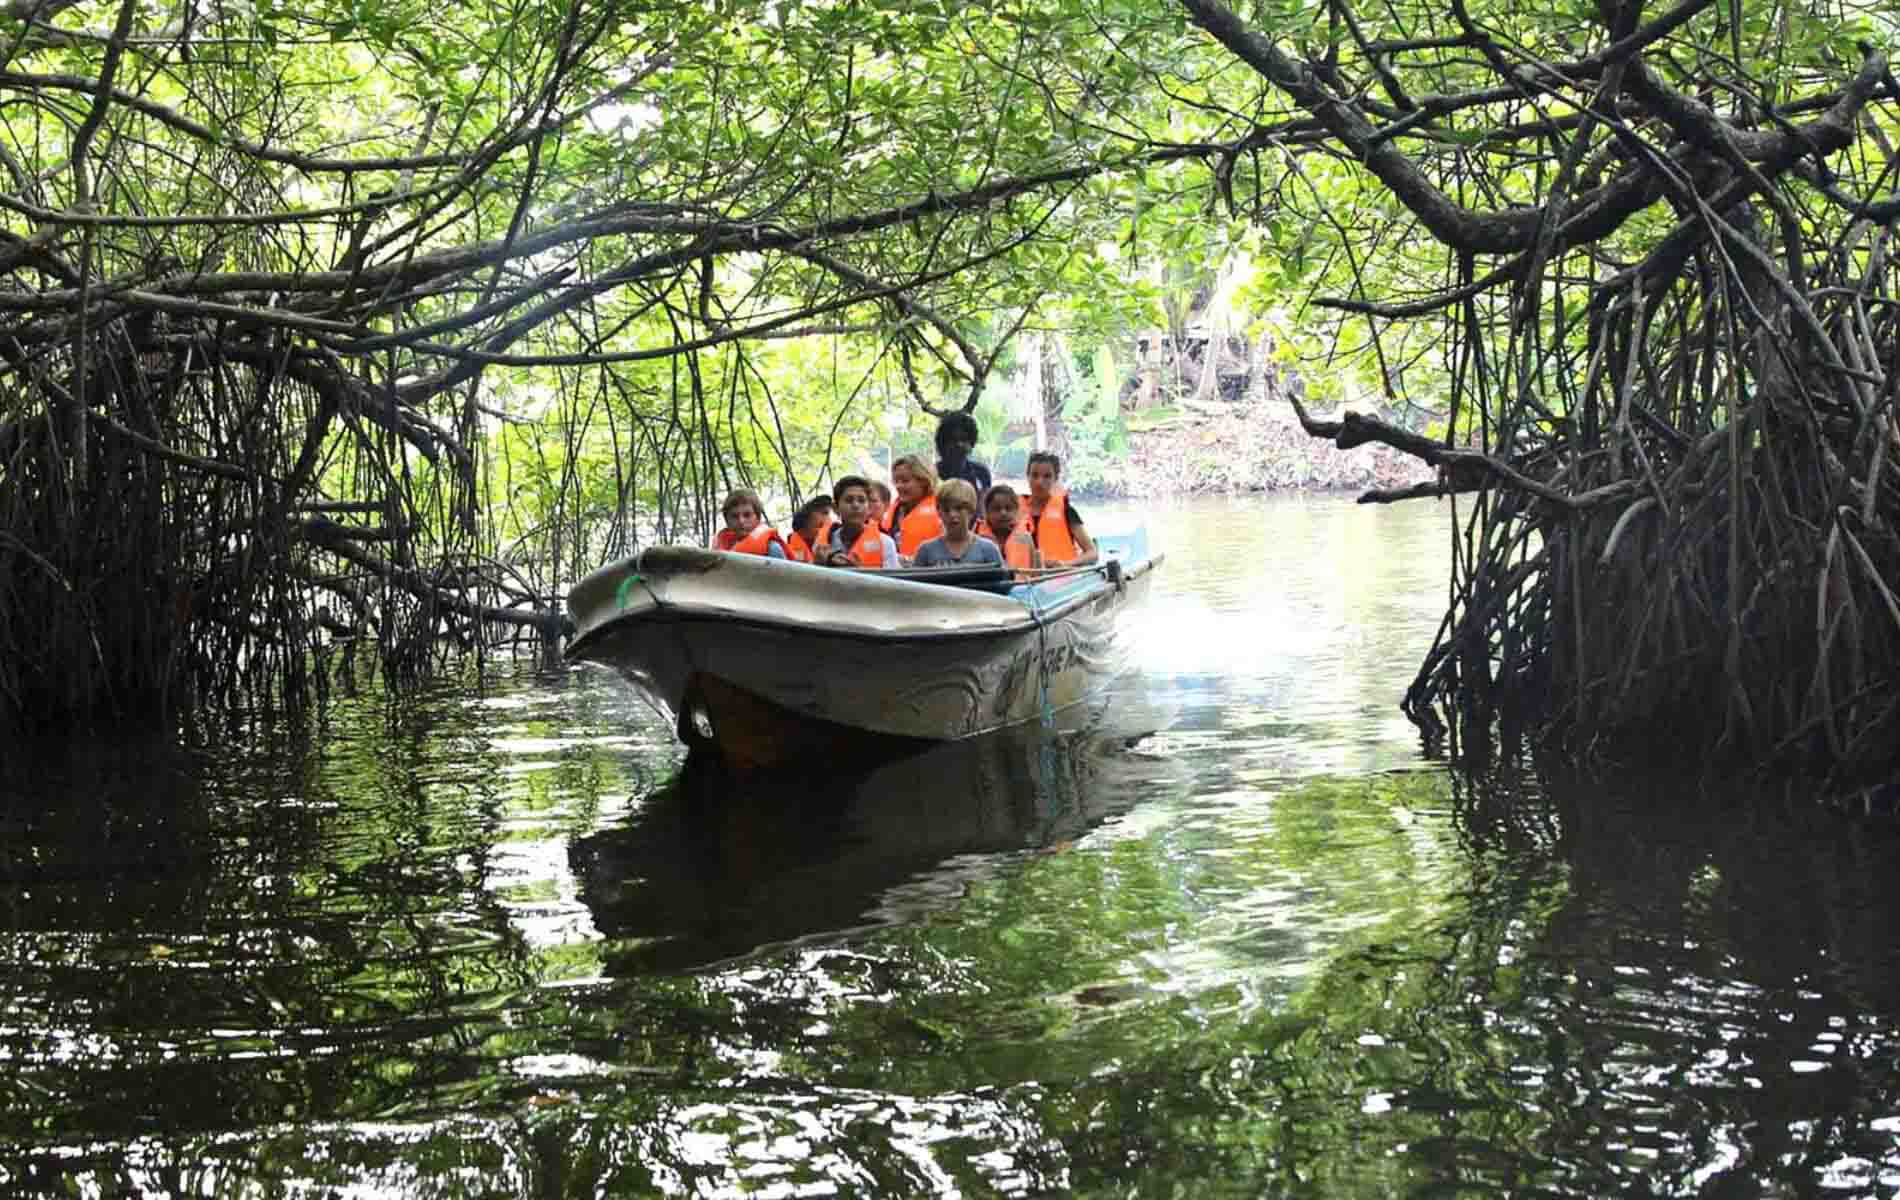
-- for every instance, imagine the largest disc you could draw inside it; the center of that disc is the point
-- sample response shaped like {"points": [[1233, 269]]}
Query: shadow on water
{"points": [[714, 865], [1745, 878], [1651, 984], [105, 835]]}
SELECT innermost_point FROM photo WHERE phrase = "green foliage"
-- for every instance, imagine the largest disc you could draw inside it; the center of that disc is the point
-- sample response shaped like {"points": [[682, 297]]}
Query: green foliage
{"points": [[1091, 414], [991, 427], [548, 278], [1153, 418]]}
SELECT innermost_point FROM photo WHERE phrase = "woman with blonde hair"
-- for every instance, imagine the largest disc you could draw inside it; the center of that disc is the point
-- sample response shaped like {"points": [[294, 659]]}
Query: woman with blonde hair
{"points": [[912, 519]]}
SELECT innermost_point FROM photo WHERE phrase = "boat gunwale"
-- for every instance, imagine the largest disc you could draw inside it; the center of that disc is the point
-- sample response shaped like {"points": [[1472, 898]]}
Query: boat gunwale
{"points": [[1034, 618]]}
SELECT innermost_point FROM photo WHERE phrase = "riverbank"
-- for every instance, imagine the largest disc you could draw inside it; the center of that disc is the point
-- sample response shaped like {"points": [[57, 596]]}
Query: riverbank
{"points": [[1246, 449]]}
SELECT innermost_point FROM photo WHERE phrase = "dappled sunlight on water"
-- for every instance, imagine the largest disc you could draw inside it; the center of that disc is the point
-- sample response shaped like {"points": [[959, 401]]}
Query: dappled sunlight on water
{"points": [[1237, 937]]}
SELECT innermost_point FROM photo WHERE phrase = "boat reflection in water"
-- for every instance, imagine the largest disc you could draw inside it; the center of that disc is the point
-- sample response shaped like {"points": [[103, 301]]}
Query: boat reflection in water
{"points": [[715, 864]]}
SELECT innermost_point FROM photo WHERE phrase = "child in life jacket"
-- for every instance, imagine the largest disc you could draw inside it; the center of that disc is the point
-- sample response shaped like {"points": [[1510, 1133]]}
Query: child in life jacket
{"points": [[959, 546], [811, 528], [1002, 514], [829, 523], [1052, 520], [855, 541], [746, 530], [881, 505], [913, 520]]}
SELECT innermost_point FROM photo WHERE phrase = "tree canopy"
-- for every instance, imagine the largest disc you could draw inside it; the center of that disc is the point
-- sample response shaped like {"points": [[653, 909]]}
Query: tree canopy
{"points": [[306, 303]]}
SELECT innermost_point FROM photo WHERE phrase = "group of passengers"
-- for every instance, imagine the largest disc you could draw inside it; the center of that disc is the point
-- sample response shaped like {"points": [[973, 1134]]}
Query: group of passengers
{"points": [[952, 516]]}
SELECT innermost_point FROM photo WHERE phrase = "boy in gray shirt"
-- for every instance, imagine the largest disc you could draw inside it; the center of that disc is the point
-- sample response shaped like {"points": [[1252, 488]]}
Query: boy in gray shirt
{"points": [[959, 546]]}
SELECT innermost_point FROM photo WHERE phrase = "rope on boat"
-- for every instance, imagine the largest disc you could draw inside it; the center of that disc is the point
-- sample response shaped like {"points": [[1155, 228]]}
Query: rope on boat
{"points": [[1048, 713], [626, 585]]}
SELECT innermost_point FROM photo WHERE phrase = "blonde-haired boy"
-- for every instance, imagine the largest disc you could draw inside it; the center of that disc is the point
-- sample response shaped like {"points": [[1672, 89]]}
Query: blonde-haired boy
{"points": [[958, 546]]}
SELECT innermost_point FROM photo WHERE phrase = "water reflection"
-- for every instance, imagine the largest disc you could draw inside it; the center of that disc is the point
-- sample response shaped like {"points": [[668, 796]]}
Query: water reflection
{"points": [[1644, 985], [492, 941], [711, 865]]}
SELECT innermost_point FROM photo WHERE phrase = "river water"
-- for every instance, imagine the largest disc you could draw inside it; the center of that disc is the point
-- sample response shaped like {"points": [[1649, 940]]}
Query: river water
{"points": [[1240, 938]]}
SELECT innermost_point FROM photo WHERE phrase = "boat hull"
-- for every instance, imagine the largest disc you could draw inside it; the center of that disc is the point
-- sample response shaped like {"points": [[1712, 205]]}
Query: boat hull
{"points": [[771, 663]]}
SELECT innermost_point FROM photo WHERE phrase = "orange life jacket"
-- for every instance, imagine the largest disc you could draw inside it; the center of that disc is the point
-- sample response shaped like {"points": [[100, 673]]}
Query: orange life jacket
{"points": [[824, 534], [1019, 551], [1052, 531], [797, 548], [868, 550], [918, 526], [762, 535]]}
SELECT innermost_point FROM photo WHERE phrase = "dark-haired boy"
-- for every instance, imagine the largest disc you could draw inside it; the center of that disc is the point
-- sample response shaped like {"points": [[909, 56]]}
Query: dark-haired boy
{"points": [[747, 531], [810, 524], [855, 540]]}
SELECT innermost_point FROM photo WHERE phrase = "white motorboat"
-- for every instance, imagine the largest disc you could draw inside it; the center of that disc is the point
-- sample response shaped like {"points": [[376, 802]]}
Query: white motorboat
{"points": [[772, 662]]}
